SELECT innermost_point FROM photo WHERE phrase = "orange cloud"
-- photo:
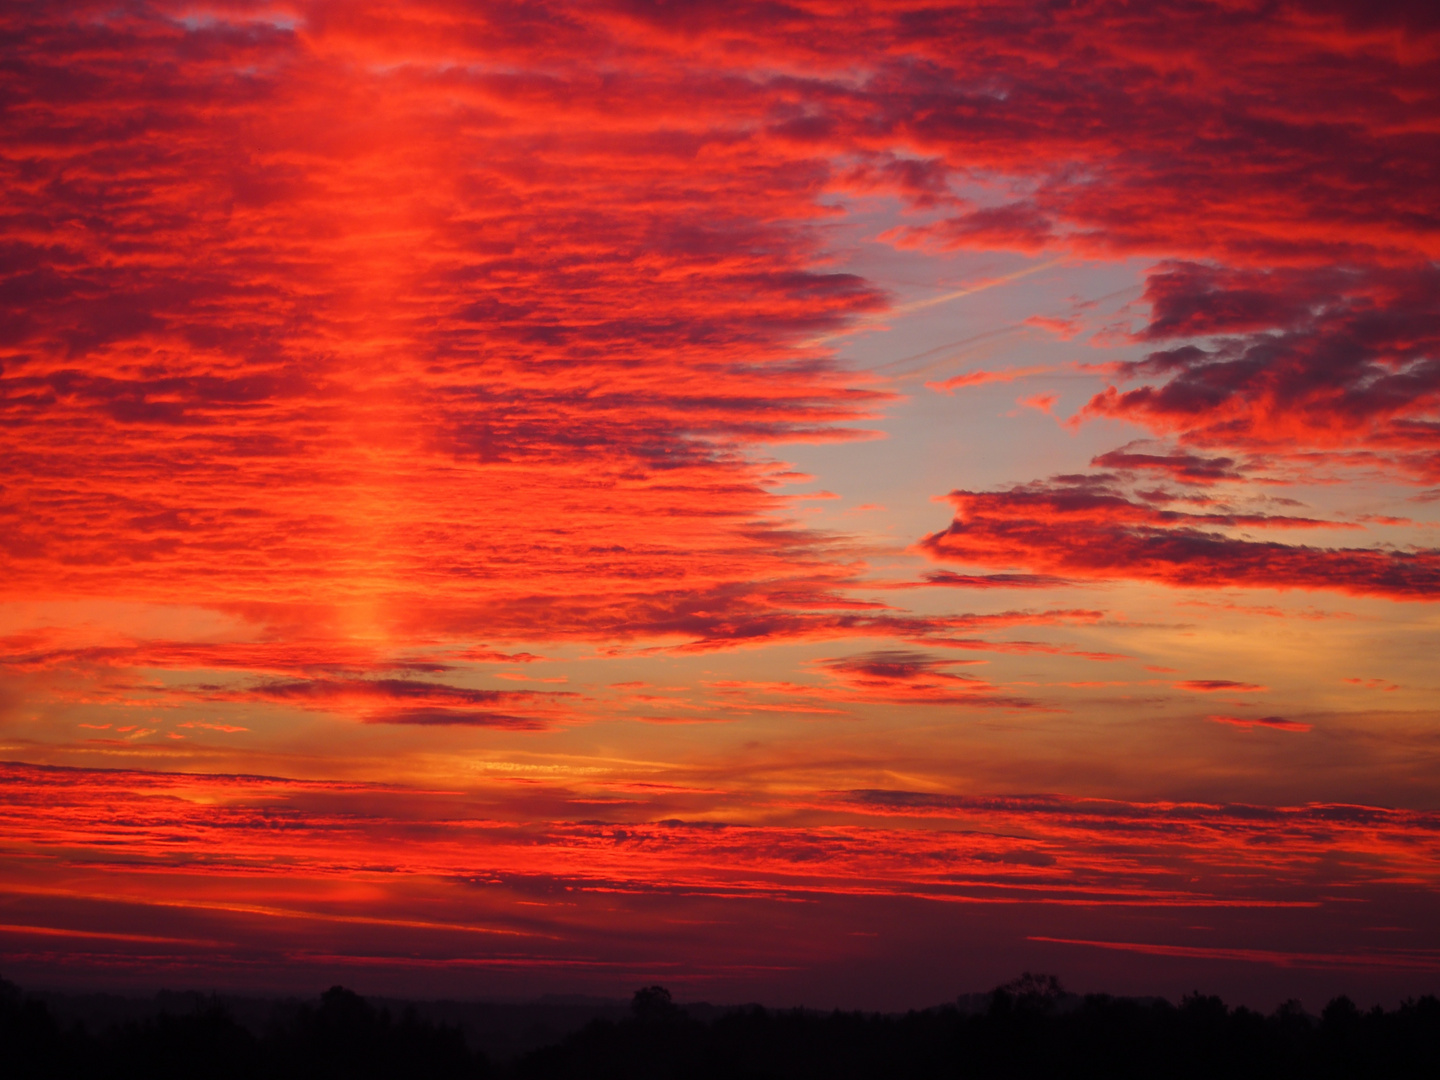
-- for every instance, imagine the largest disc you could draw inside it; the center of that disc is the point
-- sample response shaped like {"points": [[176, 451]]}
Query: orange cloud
{"points": [[1210, 686], [1277, 722]]}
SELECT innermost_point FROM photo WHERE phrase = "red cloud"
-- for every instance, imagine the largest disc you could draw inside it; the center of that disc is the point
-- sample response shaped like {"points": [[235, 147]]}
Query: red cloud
{"points": [[981, 378], [1209, 686], [1043, 402], [1081, 527], [404, 263], [436, 323], [1277, 722], [995, 581], [1373, 684], [271, 833], [536, 877], [1019, 226], [406, 701], [1181, 466], [347, 340], [1309, 359], [906, 677]]}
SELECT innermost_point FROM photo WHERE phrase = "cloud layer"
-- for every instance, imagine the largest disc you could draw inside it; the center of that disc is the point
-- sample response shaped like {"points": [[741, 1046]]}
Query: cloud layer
{"points": [[391, 397]]}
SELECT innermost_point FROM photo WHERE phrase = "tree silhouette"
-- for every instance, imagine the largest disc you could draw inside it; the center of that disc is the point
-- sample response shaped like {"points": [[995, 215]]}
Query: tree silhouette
{"points": [[653, 1003], [1033, 1029]]}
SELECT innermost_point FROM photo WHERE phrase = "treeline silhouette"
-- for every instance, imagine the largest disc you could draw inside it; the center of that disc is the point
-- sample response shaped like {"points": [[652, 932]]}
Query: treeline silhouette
{"points": [[1028, 1028], [341, 1038]]}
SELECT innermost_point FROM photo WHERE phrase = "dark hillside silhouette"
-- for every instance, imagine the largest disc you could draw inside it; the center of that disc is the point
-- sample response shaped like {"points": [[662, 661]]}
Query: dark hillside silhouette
{"points": [[1027, 1028]]}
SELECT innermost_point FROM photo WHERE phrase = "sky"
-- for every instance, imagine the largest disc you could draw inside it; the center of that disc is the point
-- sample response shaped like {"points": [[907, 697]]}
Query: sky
{"points": [[800, 502]]}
